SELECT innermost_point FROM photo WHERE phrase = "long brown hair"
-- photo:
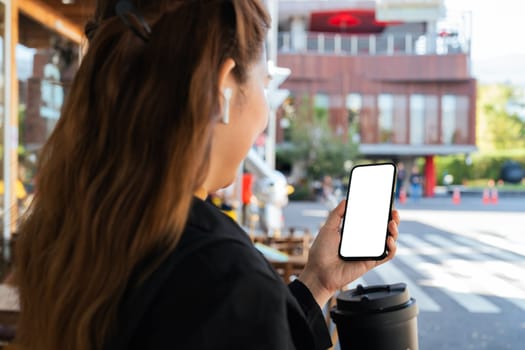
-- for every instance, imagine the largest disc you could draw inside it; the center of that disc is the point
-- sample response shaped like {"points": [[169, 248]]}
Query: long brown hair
{"points": [[117, 176]]}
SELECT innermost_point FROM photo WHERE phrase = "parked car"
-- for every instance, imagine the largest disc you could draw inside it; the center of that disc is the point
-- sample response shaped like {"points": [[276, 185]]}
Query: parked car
{"points": [[512, 171]]}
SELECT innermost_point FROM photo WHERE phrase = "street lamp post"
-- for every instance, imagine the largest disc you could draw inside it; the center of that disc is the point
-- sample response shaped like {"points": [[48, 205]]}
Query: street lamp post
{"points": [[276, 96]]}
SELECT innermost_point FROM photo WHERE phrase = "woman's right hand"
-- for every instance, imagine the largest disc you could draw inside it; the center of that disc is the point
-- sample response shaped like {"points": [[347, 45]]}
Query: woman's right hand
{"points": [[325, 272]]}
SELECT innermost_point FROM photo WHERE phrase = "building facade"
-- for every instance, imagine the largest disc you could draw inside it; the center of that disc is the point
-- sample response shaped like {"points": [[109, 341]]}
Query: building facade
{"points": [[406, 85]]}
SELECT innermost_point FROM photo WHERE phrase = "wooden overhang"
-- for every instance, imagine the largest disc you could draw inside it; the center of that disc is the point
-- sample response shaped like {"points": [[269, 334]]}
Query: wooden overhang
{"points": [[66, 18]]}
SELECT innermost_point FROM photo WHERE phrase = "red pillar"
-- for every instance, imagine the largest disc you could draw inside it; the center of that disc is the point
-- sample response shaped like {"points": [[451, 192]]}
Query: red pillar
{"points": [[430, 176]]}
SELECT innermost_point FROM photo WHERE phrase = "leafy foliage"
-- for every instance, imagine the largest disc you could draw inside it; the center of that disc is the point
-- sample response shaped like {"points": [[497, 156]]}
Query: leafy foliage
{"points": [[497, 128], [500, 137], [312, 144], [484, 165]]}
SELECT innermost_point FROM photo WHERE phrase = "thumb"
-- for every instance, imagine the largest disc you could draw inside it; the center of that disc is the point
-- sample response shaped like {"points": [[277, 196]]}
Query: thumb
{"points": [[335, 216]]}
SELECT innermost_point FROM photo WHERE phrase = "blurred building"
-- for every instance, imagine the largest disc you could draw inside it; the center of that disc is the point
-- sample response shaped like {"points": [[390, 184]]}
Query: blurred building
{"points": [[405, 82], [40, 43], [399, 71]]}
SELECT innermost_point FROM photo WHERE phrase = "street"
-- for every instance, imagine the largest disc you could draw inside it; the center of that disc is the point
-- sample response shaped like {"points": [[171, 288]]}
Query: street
{"points": [[463, 263]]}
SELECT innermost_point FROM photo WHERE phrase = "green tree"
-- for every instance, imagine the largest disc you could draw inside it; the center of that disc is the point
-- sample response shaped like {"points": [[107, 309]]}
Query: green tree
{"points": [[500, 136], [497, 129], [312, 145]]}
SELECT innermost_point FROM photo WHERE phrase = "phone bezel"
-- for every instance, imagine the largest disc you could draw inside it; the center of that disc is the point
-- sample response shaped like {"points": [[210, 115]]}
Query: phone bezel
{"points": [[385, 250]]}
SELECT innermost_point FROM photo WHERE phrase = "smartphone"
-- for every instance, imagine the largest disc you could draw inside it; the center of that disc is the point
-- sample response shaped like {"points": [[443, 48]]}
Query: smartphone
{"points": [[368, 210]]}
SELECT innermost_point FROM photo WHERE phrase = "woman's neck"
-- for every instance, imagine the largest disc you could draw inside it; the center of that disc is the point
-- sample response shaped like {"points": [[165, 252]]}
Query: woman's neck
{"points": [[201, 193]]}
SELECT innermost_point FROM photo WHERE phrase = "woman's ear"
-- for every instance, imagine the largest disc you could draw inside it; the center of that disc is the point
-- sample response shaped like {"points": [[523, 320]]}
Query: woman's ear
{"points": [[226, 78]]}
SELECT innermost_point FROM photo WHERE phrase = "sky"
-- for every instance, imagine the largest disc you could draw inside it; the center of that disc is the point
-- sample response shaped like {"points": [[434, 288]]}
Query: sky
{"points": [[498, 40]]}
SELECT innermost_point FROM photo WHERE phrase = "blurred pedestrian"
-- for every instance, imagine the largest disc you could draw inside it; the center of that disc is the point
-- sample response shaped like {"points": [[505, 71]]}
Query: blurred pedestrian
{"points": [[120, 250], [416, 184], [329, 196], [247, 193], [401, 176]]}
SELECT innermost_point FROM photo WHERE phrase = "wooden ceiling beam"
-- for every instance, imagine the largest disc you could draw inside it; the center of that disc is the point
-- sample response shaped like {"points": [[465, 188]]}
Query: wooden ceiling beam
{"points": [[52, 19]]}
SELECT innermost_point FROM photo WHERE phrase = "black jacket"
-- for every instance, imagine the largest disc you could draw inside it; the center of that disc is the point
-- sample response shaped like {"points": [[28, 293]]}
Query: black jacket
{"points": [[216, 291]]}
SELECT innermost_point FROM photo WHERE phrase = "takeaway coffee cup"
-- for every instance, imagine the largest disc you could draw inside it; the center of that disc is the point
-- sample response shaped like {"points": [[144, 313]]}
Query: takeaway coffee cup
{"points": [[376, 317]]}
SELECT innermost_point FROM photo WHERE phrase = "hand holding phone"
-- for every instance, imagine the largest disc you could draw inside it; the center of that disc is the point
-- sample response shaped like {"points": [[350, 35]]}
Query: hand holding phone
{"points": [[368, 206]]}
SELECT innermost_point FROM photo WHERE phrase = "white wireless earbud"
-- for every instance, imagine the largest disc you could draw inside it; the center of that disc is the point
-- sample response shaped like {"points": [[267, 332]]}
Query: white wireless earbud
{"points": [[227, 93]]}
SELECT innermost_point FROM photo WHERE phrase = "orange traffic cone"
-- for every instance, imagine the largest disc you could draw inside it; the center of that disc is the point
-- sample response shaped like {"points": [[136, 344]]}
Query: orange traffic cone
{"points": [[456, 196], [402, 196], [494, 196], [486, 196]]}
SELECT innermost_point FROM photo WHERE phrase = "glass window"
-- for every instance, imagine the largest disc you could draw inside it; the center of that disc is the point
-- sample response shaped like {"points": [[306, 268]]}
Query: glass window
{"points": [[431, 119], [46, 64], [385, 104], [392, 118], [354, 104], [322, 101], [417, 119], [368, 120], [321, 106], [448, 123], [462, 120], [454, 123], [399, 127], [424, 119]]}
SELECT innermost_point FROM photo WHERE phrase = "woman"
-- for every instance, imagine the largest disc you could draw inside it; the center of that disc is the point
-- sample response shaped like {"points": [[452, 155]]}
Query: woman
{"points": [[416, 183], [119, 249]]}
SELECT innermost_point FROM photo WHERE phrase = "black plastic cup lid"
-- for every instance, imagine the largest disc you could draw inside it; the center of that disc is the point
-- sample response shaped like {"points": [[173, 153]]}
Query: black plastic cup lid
{"points": [[373, 298]]}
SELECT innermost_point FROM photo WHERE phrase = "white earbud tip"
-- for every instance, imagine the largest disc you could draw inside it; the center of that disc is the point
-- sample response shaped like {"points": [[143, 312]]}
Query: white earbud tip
{"points": [[228, 93]]}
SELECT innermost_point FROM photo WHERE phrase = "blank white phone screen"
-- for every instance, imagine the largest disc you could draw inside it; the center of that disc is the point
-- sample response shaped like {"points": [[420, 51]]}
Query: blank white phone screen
{"points": [[367, 212]]}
